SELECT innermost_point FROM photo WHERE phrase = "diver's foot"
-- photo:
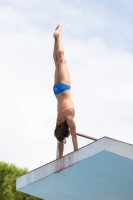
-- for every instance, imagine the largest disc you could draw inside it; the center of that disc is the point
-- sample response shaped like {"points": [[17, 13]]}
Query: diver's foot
{"points": [[58, 31]]}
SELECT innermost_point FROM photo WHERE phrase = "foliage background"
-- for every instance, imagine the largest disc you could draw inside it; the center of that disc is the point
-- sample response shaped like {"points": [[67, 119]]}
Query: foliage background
{"points": [[8, 175]]}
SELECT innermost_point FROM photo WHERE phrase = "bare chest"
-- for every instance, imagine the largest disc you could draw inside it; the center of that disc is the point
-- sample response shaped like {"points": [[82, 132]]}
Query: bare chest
{"points": [[64, 113]]}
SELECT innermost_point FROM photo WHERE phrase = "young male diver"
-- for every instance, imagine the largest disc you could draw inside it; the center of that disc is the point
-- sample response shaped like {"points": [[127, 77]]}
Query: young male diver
{"points": [[65, 124]]}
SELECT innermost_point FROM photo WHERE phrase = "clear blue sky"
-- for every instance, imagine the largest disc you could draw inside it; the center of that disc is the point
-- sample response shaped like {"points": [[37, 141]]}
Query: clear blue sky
{"points": [[98, 43]]}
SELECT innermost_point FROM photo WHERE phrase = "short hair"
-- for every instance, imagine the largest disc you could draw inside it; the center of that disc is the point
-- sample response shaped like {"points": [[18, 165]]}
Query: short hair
{"points": [[61, 132]]}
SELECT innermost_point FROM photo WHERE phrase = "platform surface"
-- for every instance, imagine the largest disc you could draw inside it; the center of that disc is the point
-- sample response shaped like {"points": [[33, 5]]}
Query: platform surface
{"points": [[102, 170]]}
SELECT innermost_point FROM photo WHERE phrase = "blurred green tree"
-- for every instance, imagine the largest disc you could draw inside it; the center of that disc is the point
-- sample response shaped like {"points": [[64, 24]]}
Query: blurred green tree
{"points": [[8, 175]]}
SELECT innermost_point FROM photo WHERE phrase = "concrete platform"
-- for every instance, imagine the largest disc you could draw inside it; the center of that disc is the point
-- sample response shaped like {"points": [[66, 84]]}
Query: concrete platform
{"points": [[102, 170]]}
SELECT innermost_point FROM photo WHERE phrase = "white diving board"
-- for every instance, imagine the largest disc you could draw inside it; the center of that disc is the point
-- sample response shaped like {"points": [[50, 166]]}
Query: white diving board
{"points": [[102, 170]]}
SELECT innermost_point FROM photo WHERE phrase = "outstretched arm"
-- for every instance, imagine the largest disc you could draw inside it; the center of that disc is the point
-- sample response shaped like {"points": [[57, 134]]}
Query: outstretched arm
{"points": [[60, 149], [72, 126]]}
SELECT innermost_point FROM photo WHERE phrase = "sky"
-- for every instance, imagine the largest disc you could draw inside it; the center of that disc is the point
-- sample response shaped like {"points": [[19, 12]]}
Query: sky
{"points": [[98, 45]]}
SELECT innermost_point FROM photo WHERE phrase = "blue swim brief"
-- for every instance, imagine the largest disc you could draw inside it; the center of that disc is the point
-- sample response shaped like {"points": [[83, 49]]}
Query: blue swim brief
{"points": [[60, 87]]}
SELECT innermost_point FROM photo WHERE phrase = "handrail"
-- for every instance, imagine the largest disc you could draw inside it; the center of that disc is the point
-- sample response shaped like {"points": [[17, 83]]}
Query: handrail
{"points": [[86, 136], [81, 135]]}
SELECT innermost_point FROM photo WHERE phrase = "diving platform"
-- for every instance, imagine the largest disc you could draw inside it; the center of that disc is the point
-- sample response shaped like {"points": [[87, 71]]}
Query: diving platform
{"points": [[100, 170]]}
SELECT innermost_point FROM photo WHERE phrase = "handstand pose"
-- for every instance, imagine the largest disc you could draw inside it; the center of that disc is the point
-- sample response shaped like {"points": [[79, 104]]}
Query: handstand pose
{"points": [[64, 124]]}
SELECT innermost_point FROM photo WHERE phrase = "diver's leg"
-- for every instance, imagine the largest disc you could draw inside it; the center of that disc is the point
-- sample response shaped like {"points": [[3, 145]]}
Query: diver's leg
{"points": [[63, 70], [56, 75]]}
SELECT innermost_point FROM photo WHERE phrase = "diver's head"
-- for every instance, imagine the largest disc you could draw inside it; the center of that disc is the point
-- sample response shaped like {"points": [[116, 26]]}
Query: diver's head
{"points": [[61, 132]]}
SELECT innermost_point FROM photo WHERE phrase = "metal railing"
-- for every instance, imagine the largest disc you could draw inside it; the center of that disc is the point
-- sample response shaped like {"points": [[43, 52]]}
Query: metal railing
{"points": [[86, 136], [78, 134]]}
